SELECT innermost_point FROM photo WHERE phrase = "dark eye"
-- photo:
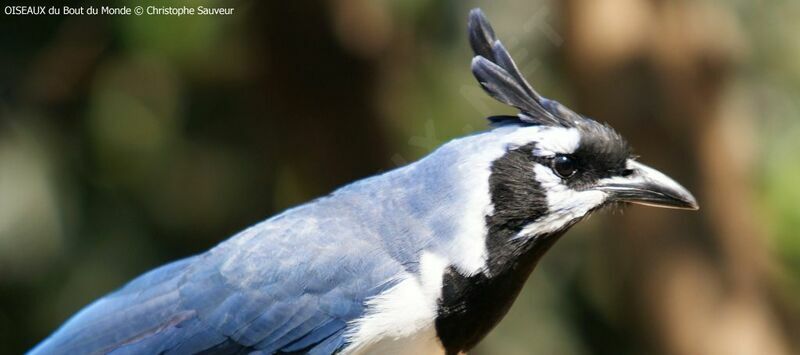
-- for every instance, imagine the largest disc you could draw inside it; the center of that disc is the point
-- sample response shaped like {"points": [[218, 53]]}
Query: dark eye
{"points": [[564, 166]]}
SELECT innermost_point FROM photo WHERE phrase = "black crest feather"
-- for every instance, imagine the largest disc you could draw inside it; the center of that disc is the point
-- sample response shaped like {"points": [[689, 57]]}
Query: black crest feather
{"points": [[500, 77]]}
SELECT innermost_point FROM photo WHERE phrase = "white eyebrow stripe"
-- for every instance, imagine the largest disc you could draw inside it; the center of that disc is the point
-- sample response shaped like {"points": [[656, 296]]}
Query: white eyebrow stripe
{"points": [[557, 140]]}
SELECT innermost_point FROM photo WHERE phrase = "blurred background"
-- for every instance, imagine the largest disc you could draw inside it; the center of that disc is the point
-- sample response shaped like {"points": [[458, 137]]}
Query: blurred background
{"points": [[127, 142]]}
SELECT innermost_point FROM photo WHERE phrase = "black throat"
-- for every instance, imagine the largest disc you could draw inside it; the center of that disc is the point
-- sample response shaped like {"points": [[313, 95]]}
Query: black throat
{"points": [[470, 306]]}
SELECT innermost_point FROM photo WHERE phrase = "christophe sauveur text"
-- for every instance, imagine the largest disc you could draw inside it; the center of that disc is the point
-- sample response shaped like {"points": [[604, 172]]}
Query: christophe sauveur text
{"points": [[117, 10]]}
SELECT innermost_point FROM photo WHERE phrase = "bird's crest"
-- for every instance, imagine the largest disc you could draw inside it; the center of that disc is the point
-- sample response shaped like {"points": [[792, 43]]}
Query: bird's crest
{"points": [[499, 76]]}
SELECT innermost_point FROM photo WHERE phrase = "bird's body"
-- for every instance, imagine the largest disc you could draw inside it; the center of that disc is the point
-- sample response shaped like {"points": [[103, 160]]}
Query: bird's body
{"points": [[426, 258], [381, 279]]}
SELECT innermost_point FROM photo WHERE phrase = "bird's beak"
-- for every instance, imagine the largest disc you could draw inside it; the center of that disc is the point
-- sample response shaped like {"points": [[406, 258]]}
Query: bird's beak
{"points": [[647, 186]]}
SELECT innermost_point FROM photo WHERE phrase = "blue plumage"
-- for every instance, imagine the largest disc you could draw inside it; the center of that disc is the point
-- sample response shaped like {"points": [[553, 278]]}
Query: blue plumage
{"points": [[293, 282]]}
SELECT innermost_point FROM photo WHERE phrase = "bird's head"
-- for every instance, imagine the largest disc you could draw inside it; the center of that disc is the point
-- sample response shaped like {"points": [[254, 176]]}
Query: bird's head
{"points": [[568, 165], [545, 169]]}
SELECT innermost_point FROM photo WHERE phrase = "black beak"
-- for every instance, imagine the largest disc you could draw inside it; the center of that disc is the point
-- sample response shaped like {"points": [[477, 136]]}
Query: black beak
{"points": [[647, 186]]}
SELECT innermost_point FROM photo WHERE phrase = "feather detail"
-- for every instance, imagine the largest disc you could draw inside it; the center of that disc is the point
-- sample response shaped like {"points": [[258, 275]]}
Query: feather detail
{"points": [[499, 76]]}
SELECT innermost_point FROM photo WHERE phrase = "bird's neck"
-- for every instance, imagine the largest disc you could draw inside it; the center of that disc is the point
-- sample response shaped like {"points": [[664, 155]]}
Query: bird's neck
{"points": [[471, 306]]}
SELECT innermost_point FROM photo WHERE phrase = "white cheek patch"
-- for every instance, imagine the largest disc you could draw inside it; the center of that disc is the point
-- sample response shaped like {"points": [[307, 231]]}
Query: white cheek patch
{"points": [[564, 204]]}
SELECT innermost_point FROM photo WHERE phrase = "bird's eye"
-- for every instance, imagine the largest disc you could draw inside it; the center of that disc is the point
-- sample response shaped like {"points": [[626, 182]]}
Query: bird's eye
{"points": [[564, 166]]}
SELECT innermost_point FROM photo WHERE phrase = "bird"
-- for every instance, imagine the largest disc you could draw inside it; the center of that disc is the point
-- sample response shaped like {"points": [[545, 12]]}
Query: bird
{"points": [[423, 259]]}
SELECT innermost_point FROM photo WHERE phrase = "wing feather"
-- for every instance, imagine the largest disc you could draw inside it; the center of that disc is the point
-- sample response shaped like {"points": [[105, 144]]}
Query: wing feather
{"points": [[227, 300]]}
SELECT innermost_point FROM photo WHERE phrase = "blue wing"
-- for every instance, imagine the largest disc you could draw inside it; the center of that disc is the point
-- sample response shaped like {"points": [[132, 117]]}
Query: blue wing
{"points": [[278, 287]]}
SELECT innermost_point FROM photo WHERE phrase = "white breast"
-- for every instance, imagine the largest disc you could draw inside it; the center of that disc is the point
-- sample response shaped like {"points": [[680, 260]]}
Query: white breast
{"points": [[401, 320], [423, 342]]}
